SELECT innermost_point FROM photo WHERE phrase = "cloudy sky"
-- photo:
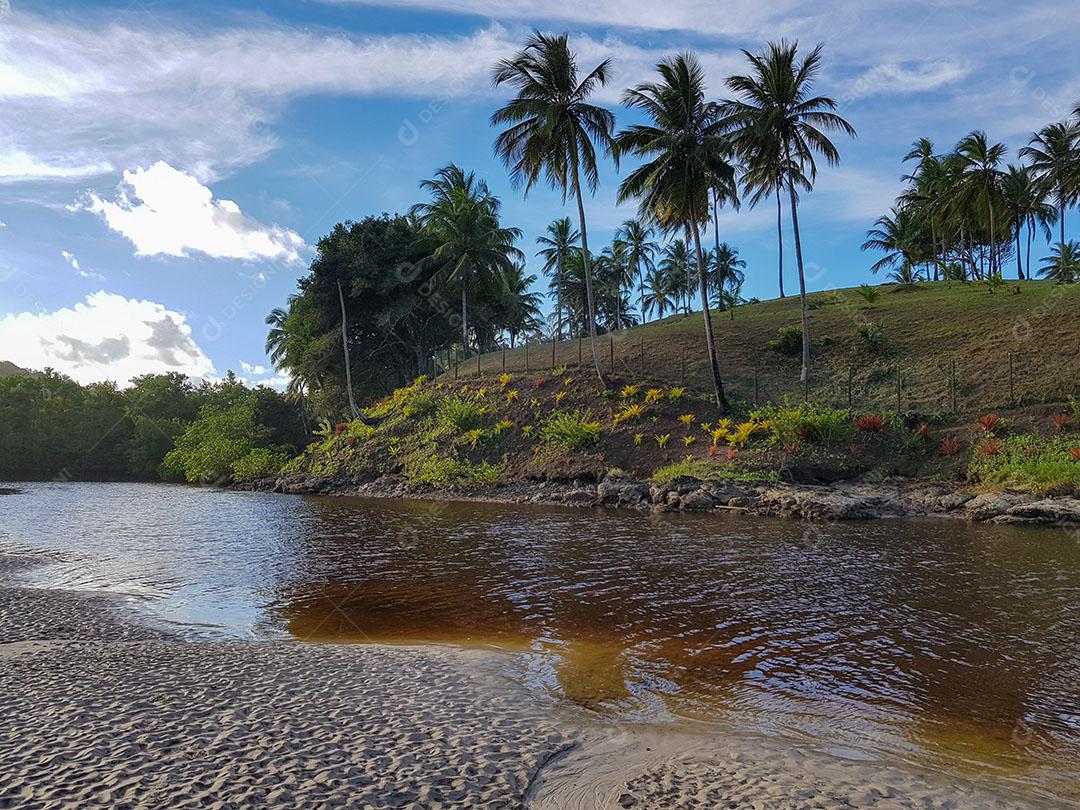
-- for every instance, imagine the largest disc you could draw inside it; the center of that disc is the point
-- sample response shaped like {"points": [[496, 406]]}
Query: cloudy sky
{"points": [[165, 168]]}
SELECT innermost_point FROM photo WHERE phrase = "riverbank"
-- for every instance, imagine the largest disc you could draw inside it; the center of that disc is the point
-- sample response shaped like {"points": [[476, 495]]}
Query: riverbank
{"points": [[104, 710], [845, 500]]}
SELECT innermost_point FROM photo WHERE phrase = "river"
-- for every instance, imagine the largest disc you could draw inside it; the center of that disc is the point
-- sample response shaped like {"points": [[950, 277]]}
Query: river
{"points": [[951, 645]]}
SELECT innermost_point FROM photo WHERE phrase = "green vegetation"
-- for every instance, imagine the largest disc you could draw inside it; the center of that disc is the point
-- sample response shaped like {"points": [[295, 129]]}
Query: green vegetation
{"points": [[572, 431], [709, 471], [805, 422], [1028, 461], [436, 470]]}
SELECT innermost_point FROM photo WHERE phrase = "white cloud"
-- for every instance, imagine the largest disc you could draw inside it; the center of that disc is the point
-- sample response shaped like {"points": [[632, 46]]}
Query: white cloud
{"points": [[917, 77], [16, 165], [69, 257], [108, 337], [163, 210], [250, 368]]}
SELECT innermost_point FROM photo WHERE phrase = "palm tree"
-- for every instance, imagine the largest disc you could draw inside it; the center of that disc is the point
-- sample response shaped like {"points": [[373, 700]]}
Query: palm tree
{"points": [[685, 151], [1055, 158], [727, 271], [467, 245], [778, 128], [1026, 205], [923, 200], [617, 258], [553, 129], [558, 246], [659, 293], [638, 239], [980, 184], [1062, 266], [896, 234], [519, 306], [678, 264]]}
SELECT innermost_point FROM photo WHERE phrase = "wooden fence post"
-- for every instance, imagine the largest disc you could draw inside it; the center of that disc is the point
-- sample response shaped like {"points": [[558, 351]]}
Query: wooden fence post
{"points": [[526, 355], [477, 363]]}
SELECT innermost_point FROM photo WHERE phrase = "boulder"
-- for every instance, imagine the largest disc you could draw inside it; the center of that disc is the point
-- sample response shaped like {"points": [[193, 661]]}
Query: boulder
{"points": [[1048, 511], [990, 505], [696, 501]]}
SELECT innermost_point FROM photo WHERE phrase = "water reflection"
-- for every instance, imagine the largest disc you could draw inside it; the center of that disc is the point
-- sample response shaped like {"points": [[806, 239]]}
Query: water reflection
{"points": [[931, 640]]}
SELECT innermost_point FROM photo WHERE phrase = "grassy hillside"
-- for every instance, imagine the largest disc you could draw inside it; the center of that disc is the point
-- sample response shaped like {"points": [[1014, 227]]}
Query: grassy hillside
{"points": [[9, 369], [924, 331]]}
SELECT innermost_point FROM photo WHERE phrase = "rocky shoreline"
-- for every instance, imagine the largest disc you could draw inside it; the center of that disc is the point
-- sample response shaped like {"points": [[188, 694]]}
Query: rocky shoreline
{"points": [[846, 500]]}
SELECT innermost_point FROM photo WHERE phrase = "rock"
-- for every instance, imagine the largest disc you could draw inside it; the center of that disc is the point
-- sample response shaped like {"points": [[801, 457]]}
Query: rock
{"points": [[622, 492], [1048, 511], [696, 501], [725, 493], [658, 493], [578, 497], [991, 504]]}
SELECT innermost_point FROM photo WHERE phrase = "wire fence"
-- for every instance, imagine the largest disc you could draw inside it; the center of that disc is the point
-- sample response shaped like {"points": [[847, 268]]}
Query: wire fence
{"points": [[936, 384]]}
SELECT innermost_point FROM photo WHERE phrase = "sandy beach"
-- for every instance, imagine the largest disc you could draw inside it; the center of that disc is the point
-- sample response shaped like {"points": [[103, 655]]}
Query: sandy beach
{"points": [[103, 710]]}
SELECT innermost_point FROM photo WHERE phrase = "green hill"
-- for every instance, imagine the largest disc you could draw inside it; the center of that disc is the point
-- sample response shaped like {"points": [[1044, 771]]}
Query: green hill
{"points": [[933, 333], [9, 369]]}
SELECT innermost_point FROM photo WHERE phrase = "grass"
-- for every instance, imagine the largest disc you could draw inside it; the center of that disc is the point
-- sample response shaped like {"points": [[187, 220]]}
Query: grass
{"points": [[709, 471], [1028, 461], [925, 328]]}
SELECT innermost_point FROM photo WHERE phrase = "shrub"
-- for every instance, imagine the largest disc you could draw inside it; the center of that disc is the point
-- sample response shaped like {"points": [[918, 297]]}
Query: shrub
{"points": [[570, 430], [435, 470], [512, 395], [788, 341], [805, 423], [662, 440], [870, 423], [949, 446], [675, 393], [924, 431], [638, 438], [1028, 461], [868, 294], [629, 391], [989, 422], [456, 414], [991, 447], [1060, 420], [742, 433], [869, 338], [654, 395], [687, 418], [688, 440], [259, 463], [504, 379], [630, 412]]}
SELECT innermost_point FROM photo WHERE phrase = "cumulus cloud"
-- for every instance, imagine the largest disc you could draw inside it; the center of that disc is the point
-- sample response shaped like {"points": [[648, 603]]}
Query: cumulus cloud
{"points": [[918, 77], [165, 211], [107, 337]]}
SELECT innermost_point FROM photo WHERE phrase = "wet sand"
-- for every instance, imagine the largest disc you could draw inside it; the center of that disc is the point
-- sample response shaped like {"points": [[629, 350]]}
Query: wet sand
{"points": [[102, 710]]}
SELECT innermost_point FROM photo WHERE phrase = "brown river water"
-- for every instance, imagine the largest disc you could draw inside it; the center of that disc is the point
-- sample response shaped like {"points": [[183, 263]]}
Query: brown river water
{"points": [[931, 641]]}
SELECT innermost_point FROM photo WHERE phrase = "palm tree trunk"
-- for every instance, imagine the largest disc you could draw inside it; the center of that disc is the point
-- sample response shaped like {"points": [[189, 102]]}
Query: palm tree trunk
{"points": [[1030, 228], [558, 301], [780, 237], [345, 347], [1019, 264], [804, 375], [1061, 215], [464, 322], [718, 385], [586, 266], [995, 269]]}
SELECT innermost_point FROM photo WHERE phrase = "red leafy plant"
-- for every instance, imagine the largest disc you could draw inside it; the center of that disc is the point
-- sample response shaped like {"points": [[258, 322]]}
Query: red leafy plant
{"points": [[991, 447], [1075, 453], [950, 446], [713, 450], [341, 427], [855, 448], [870, 423], [792, 448], [1060, 420], [989, 421], [537, 383], [351, 441], [731, 453], [924, 431]]}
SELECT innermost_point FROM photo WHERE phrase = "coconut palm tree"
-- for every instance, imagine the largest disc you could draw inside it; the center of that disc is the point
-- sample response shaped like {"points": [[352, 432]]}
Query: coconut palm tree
{"points": [[1026, 205], [678, 264], [518, 306], [560, 243], [980, 183], [779, 128], [554, 130], [618, 275], [659, 293], [726, 271], [685, 151], [897, 235], [1054, 155], [638, 239], [1062, 266], [468, 248]]}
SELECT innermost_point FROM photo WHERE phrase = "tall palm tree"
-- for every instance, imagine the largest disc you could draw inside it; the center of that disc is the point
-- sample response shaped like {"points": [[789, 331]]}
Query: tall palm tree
{"points": [[1026, 206], [519, 306], [1062, 266], [776, 121], [678, 264], [617, 257], [638, 239], [685, 151], [467, 246], [980, 185], [726, 270], [923, 200], [1054, 155], [554, 130], [659, 293], [558, 246]]}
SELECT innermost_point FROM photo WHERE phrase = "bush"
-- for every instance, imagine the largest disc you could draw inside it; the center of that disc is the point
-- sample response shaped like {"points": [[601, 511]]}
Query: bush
{"points": [[790, 424], [869, 339], [435, 470], [456, 414], [259, 463], [788, 341], [1028, 461], [570, 430]]}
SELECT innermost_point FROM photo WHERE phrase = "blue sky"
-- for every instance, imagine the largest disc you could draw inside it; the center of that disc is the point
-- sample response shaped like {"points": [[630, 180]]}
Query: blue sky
{"points": [[165, 168]]}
